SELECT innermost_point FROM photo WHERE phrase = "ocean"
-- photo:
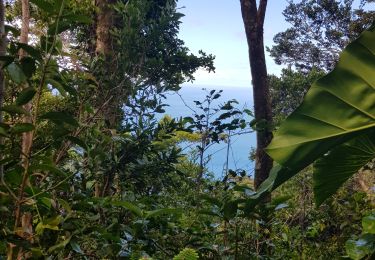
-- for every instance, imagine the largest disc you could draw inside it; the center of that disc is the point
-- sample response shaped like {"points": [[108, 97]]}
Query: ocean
{"points": [[240, 145]]}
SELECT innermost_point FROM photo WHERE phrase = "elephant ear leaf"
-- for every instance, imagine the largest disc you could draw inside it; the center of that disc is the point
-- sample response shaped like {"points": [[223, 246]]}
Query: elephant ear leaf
{"points": [[337, 108], [337, 166]]}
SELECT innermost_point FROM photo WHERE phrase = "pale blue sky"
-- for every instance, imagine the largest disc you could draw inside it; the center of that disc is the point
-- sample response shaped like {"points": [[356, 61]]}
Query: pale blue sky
{"points": [[216, 27]]}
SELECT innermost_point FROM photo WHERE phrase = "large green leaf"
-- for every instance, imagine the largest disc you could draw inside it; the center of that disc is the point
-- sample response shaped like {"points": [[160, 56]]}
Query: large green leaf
{"points": [[337, 166], [337, 108]]}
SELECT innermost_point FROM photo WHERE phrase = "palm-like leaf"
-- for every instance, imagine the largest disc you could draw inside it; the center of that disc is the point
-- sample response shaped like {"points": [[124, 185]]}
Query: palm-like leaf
{"points": [[336, 167]]}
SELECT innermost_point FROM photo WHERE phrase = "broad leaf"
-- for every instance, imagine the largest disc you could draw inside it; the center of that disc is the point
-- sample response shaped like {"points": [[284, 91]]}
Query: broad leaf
{"points": [[336, 167], [338, 107], [230, 210], [22, 128], [16, 73], [25, 96], [60, 118], [33, 52], [13, 110], [28, 66], [44, 5]]}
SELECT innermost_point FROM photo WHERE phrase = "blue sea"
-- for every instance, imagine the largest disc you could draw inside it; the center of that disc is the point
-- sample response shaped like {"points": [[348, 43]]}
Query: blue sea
{"points": [[240, 145]]}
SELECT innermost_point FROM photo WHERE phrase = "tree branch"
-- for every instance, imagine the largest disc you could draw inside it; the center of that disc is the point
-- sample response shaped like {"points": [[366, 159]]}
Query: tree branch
{"points": [[249, 15], [261, 13]]}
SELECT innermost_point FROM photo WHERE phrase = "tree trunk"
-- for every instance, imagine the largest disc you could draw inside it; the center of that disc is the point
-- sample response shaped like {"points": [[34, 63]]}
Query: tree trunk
{"points": [[253, 18], [2, 82], [104, 48], [24, 38], [104, 23]]}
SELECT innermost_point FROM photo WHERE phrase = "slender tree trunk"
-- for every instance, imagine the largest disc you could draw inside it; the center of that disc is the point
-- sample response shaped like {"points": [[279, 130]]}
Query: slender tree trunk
{"points": [[2, 82], [24, 38], [104, 48], [253, 18]]}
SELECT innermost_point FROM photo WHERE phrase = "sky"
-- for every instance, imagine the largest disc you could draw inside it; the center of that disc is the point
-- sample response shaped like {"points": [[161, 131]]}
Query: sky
{"points": [[216, 27]]}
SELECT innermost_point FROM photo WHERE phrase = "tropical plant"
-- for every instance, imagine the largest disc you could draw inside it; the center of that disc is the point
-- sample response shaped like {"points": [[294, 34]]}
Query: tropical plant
{"points": [[346, 114]]}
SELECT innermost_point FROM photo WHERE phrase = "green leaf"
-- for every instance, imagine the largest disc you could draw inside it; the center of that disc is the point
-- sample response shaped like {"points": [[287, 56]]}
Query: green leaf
{"points": [[336, 167], [16, 73], [368, 224], [60, 27], [50, 223], [358, 249], [77, 18], [44, 5], [25, 96], [46, 201], [337, 108], [33, 52], [22, 128], [13, 110], [230, 209], [212, 201], [28, 66], [158, 212], [129, 206], [60, 118]]}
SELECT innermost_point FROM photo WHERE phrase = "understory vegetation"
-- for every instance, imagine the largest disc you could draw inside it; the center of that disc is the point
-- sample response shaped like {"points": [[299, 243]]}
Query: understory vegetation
{"points": [[91, 167]]}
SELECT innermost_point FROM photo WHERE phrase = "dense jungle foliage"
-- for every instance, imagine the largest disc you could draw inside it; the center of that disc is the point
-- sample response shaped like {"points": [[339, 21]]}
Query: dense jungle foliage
{"points": [[91, 168]]}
